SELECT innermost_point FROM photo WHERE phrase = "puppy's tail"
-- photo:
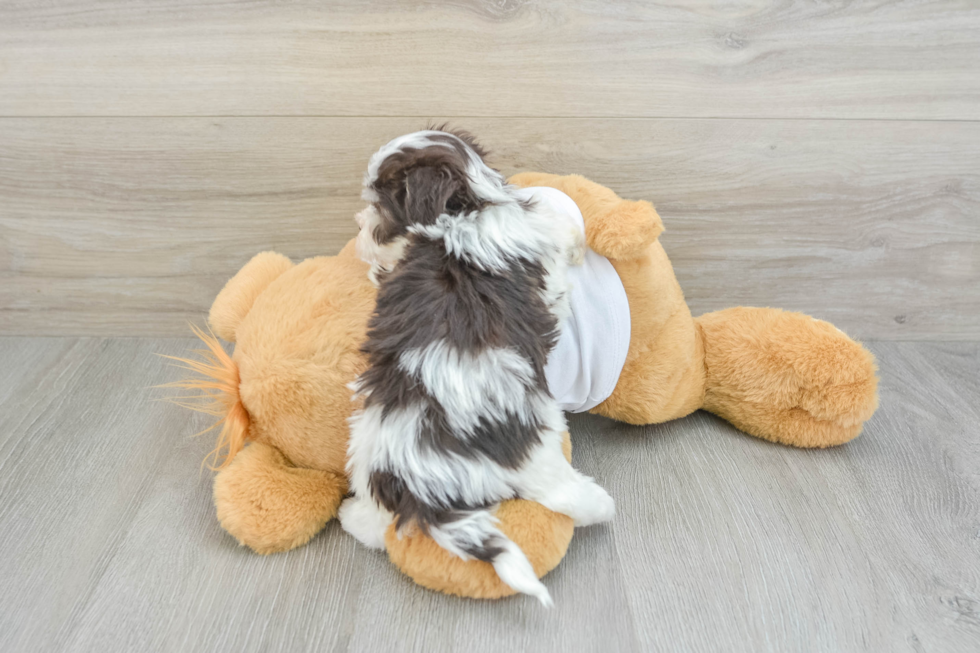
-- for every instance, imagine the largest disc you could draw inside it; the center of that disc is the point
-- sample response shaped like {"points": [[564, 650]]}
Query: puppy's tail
{"points": [[474, 534]]}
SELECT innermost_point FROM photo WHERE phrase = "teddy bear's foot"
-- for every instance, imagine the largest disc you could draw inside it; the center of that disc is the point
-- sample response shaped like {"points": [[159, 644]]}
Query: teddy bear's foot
{"points": [[543, 536], [787, 377], [269, 505]]}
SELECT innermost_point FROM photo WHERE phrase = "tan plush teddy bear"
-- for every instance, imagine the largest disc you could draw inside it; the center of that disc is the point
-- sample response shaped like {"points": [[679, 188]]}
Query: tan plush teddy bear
{"points": [[283, 395]]}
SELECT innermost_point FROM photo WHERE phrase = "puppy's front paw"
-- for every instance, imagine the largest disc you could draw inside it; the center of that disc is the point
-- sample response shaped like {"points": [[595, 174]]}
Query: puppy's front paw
{"points": [[576, 251], [373, 273]]}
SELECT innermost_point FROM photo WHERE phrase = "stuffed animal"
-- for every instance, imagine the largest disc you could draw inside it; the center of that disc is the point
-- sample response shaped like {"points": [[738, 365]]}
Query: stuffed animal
{"points": [[283, 397]]}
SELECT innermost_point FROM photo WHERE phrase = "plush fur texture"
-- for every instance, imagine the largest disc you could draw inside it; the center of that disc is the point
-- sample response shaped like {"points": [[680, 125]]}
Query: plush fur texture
{"points": [[615, 228], [238, 296], [271, 505], [215, 393], [777, 375], [786, 377], [781, 376]]}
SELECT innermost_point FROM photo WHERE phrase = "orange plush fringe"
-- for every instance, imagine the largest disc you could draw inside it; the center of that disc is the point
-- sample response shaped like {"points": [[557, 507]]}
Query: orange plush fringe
{"points": [[216, 394]]}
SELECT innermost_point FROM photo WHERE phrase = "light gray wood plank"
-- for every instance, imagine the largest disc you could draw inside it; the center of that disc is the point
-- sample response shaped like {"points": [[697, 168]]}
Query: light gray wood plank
{"points": [[75, 462], [107, 527], [131, 226], [721, 542], [950, 365], [735, 544], [877, 59], [590, 613], [22, 362]]}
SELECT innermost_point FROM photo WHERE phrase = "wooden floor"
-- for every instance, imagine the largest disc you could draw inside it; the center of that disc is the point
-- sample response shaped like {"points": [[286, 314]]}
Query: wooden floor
{"points": [[815, 156], [721, 543]]}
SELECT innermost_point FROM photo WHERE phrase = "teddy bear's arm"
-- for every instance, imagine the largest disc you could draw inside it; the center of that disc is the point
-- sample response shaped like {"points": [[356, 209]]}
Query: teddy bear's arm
{"points": [[614, 227], [235, 300], [269, 505]]}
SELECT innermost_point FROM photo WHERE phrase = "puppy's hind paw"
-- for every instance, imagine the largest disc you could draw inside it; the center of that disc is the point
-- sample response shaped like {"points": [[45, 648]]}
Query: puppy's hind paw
{"points": [[365, 520], [596, 507]]}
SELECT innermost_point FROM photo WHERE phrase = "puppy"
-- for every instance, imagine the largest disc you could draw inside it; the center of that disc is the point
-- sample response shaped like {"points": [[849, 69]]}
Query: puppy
{"points": [[457, 415]]}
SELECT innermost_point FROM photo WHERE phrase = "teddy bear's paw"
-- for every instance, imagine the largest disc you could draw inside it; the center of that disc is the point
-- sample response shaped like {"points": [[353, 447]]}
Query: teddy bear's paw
{"points": [[365, 520], [836, 375], [847, 404], [625, 230], [269, 505], [237, 297]]}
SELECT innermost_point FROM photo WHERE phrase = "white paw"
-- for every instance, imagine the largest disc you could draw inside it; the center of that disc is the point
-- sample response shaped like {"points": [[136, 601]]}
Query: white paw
{"points": [[576, 254], [596, 507], [562, 308], [365, 520], [373, 273], [583, 500]]}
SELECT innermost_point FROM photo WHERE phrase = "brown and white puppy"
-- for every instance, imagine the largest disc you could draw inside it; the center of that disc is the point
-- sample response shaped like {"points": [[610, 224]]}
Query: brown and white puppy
{"points": [[457, 415]]}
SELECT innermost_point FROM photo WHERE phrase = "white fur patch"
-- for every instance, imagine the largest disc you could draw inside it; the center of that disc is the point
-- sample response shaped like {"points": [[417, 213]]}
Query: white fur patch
{"points": [[490, 384], [467, 533], [494, 238], [514, 569], [435, 478], [550, 479], [382, 258], [416, 141], [365, 520]]}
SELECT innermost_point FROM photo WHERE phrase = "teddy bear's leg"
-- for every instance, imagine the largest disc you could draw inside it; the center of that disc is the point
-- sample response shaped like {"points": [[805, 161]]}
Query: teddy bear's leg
{"points": [[541, 534], [235, 300], [786, 377], [269, 505], [614, 227]]}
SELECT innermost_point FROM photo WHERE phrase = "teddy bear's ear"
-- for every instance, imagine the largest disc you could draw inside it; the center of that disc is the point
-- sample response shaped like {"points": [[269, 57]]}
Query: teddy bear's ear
{"points": [[235, 300]]}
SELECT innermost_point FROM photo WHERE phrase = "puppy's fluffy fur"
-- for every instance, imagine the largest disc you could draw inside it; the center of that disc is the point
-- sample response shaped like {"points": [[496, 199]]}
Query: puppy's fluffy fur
{"points": [[457, 415]]}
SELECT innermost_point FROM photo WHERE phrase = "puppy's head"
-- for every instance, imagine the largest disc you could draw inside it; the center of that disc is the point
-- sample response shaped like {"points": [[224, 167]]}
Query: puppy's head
{"points": [[413, 180]]}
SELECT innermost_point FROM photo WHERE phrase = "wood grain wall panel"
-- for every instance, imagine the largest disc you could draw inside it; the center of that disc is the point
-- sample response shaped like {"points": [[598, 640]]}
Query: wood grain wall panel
{"points": [[131, 226], [876, 59]]}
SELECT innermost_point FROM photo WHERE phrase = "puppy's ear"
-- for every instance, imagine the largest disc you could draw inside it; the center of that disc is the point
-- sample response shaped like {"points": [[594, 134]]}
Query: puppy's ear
{"points": [[427, 191]]}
